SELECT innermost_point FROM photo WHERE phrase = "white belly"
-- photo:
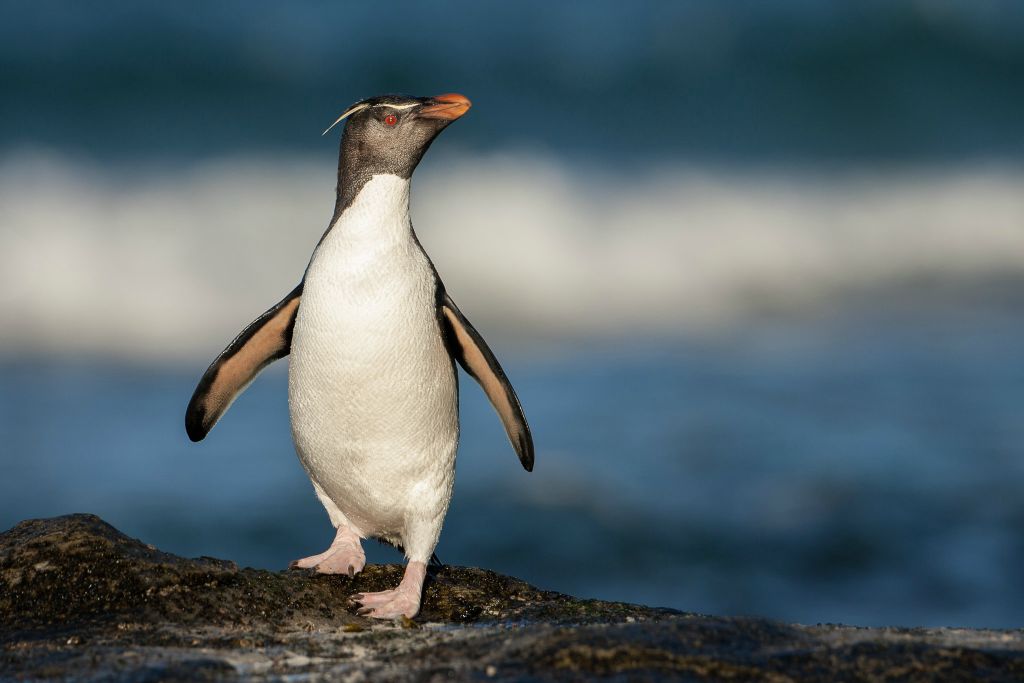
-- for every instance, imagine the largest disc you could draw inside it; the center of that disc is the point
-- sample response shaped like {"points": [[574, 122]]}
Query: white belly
{"points": [[372, 391]]}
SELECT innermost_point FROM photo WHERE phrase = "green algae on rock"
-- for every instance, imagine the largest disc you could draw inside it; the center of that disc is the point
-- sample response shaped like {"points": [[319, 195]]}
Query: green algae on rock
{"points": [[68, 569]]}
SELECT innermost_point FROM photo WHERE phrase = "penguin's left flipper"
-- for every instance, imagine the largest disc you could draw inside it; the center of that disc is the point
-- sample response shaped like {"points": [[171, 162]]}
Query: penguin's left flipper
{"points": [[266, 339], [473, 354]]}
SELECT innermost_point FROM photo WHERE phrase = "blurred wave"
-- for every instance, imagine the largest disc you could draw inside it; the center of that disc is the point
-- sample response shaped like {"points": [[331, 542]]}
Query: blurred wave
{"points": [[152, 262]]}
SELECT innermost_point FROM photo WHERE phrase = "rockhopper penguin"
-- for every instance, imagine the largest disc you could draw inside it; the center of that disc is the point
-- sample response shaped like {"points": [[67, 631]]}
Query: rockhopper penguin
{"points": [[373, 338]]}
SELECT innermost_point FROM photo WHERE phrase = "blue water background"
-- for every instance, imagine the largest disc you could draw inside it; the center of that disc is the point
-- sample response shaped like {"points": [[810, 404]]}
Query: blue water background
{"points": [[870, 475], [864, 467], [611, 82]]}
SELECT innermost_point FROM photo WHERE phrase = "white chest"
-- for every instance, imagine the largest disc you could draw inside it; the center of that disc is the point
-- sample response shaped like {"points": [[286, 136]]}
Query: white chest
{"points": [[368, 281], [372, 391]]}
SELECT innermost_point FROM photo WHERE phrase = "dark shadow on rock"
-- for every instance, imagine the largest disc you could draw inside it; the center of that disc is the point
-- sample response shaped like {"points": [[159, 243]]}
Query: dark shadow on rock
{"points": [[79, 598]]}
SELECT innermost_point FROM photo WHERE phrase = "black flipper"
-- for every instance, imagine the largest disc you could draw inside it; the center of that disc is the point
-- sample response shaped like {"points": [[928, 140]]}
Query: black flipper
{"points": [[473, 354], [266, 339]]}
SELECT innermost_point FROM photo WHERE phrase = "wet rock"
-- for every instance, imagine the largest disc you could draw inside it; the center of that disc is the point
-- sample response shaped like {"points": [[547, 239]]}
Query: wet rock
{"points": [[80, 599]]}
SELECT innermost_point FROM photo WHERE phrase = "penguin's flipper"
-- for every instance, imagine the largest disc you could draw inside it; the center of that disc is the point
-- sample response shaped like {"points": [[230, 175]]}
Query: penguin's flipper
{"points": [[473, 354], [266, 339]]}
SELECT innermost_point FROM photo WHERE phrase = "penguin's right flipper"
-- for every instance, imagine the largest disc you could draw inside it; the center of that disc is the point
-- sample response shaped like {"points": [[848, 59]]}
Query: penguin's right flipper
{"points": [[266, 339]]}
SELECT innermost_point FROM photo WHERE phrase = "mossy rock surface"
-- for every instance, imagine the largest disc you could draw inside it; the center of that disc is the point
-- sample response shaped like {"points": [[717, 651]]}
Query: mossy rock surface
{"points": [[80, 600]]}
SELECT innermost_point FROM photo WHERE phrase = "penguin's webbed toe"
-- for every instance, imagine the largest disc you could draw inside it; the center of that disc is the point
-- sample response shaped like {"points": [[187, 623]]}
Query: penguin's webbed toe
{"points": [[345, 561], [345, 556], [388, 604]]}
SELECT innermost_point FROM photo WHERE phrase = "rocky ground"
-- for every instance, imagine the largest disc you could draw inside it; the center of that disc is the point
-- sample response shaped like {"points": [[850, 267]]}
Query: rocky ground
{"points": [[80, 600]]}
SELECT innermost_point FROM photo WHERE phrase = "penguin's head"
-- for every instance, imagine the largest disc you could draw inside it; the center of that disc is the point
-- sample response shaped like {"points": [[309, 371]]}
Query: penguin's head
{"points": [[390, 133]]}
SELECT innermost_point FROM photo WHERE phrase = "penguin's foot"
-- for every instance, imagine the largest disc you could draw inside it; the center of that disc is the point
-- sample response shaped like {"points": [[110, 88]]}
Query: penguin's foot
{"points": [[402, 601], [342, 561], [345, 556]]}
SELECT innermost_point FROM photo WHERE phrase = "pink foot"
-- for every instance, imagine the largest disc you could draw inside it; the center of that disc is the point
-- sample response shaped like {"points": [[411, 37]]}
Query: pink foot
{"points": [[345, 556], [308, 562], [402, 601]]}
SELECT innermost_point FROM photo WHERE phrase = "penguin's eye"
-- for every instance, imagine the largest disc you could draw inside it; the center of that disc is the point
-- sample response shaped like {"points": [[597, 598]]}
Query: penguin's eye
{"points": [[391, 119]]}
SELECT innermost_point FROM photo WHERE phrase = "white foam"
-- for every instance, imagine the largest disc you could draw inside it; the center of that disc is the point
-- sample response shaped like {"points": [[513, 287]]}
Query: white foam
{"points": [[165, 264]]}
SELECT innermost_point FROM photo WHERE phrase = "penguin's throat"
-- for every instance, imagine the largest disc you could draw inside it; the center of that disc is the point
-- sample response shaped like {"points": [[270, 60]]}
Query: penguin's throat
{"points": [[379, 211]]}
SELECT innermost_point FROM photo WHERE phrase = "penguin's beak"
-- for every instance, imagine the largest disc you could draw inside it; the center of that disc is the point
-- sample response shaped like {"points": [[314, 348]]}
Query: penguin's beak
{"points": [[448, 107]]}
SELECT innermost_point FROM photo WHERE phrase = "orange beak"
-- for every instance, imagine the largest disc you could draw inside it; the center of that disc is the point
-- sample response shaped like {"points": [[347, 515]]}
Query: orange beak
{"points": [[449, 106]]}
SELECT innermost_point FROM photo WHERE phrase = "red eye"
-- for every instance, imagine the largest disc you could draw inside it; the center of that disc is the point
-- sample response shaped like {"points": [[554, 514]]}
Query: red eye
{"points": [[391, 119]]}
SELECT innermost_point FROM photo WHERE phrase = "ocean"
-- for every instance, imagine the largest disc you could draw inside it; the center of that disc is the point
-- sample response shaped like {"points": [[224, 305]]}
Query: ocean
{"points": [[755, 269]]}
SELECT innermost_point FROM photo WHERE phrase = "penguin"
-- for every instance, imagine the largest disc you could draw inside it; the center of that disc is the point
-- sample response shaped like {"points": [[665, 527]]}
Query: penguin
{"points": [[373, 338]]}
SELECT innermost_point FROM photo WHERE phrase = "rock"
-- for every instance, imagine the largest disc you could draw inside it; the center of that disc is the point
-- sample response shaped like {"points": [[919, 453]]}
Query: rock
{"points": [[80, 599]]}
